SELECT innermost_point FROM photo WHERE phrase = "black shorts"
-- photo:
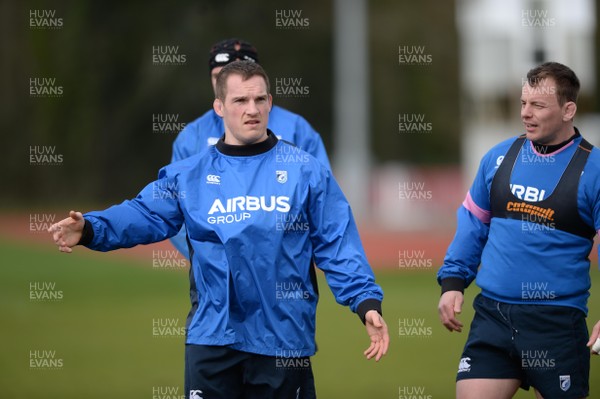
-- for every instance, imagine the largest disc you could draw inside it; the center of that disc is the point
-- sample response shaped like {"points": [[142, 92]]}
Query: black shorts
{"points": [[219, 372], [544, 346]]}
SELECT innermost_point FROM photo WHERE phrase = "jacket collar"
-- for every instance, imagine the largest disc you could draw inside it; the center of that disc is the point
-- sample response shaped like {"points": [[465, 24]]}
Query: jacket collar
{"points": [[247, 150]]}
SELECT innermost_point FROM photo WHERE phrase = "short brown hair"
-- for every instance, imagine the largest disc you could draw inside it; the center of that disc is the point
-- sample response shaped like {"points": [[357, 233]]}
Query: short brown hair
{"points": [[246, 69], [567, 83]]}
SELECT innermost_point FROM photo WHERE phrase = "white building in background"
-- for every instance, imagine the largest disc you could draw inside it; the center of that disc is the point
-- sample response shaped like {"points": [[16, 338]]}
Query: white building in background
{"points": [[500, 40]]}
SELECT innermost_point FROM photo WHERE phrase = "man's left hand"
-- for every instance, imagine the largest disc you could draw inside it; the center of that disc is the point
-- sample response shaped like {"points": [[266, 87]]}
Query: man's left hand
{"points": [[378, 332]]}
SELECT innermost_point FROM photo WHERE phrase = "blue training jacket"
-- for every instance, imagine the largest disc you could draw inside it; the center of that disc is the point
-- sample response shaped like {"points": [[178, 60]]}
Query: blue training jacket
{"points": [[520, 262], [255, 215], [208, 129]]}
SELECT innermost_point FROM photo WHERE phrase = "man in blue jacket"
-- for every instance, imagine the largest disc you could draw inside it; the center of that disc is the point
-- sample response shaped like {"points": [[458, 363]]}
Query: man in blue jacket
{"points": [[208, 128], [525, 230], [255, 218]]}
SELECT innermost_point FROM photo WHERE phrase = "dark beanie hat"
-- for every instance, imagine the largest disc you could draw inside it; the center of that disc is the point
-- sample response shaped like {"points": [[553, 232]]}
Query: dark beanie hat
{"points": [[230, 50]]}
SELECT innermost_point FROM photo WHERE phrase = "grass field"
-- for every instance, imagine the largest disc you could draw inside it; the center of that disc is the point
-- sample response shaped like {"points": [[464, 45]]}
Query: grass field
{"points": [[105, 327]]}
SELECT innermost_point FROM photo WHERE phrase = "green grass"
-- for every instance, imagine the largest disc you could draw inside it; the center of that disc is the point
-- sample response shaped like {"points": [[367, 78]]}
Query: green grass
{"points": [[101, 329]]}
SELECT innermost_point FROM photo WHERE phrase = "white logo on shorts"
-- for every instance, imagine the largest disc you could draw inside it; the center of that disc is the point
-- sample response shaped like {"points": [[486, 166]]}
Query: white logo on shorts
{"points": [[565, 382], [464, 365], [195, 394]]}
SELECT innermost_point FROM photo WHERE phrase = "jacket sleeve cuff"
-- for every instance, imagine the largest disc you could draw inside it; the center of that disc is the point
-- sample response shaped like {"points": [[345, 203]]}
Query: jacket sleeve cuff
{"points": [[366, 305], [87, 235], [453, 284]]}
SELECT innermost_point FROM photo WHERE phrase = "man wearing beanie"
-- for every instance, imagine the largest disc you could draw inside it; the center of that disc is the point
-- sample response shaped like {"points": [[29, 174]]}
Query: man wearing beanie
{"points": [[208, 128]]}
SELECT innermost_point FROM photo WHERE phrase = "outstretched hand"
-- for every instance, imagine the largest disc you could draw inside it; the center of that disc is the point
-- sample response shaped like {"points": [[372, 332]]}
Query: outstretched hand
{"points": [[378, 332], [67, 232]]}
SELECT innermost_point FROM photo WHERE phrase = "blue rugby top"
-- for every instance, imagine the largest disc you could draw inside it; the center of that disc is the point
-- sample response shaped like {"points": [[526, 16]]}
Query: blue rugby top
{"points": [[524, 261], [208, 129], [256, 216]]}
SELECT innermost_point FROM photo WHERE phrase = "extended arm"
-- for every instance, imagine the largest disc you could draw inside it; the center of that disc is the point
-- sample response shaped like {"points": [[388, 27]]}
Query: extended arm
{"points": [[338, 252], [151, 217]]}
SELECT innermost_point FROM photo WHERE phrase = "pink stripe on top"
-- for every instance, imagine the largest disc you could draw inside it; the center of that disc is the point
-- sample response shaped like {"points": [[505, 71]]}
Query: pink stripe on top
{"points": [[481, 214], [552, 153]]}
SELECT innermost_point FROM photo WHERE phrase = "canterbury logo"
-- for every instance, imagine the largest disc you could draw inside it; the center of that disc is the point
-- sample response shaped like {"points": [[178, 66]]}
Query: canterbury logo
{"points": [[213, 179], [222, 57], [195, 394], [464, 365]]}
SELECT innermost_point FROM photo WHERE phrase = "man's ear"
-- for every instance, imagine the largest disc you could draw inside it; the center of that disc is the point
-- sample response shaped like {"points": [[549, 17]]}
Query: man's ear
{"points": [[218, 107], [270, 102], [569, 110]]}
